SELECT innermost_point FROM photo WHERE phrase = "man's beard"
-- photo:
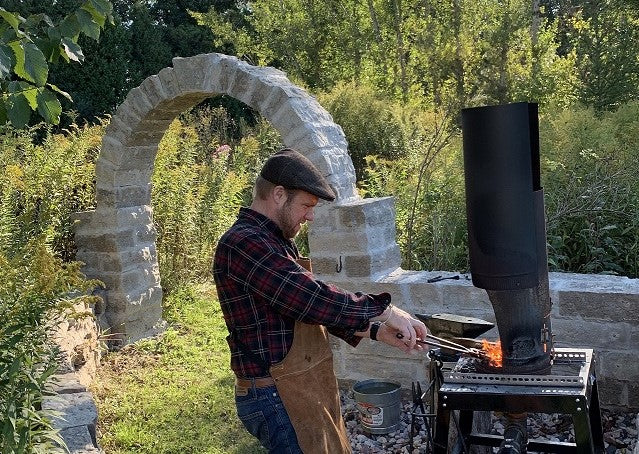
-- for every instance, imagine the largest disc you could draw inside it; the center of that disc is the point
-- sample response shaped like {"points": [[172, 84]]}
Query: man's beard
{"points": [[286, 224]]}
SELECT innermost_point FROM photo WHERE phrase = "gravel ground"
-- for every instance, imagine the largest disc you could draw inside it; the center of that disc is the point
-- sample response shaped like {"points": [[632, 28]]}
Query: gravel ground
{"points": [[620, 431]]}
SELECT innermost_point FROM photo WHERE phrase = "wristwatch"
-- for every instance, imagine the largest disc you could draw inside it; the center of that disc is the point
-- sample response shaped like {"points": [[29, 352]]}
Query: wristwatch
{"points": [[374, 329]]}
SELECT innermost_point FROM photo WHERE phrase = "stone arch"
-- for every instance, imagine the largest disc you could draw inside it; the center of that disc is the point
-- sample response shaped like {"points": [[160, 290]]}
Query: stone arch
{"points": [[116, 241]]}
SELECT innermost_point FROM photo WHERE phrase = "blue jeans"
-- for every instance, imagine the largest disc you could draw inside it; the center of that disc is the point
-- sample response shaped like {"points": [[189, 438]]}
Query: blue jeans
{"points": [[263, 414]]}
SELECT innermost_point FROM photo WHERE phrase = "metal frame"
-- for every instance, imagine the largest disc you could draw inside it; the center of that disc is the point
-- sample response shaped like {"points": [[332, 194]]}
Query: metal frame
{"points": [[581, 400]]}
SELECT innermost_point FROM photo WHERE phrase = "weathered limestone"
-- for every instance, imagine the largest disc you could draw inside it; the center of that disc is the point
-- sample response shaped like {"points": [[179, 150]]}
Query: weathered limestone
{"points": [[117, 240], [606, 324], [352, 241]]}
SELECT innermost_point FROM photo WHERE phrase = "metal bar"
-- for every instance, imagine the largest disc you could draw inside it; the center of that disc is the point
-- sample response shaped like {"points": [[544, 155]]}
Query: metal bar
{"points": [[558, 447]]}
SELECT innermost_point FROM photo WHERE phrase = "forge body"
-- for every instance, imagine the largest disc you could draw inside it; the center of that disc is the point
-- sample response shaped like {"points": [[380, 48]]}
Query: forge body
{"points": [[506, 229], [508, 258]]}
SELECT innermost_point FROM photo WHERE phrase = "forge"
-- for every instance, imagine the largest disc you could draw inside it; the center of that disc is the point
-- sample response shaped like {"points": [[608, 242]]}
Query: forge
{"points": [[508, 259]]}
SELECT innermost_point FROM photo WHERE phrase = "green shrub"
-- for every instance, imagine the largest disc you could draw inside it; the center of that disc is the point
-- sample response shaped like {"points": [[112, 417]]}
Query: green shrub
{"points": [[427, 182], [35, 289], [369, 123], [590, 168], [199, 183], [41, 186]]}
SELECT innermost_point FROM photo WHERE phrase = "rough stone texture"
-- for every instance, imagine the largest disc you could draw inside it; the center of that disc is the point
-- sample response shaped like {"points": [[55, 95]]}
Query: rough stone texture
{"points": [[352, 240], [614, 343], [117, 240]]}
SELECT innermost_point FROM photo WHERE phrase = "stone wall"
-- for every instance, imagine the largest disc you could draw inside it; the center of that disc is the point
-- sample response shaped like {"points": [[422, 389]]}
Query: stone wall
{"points": [[352, 241], [589, 311]]}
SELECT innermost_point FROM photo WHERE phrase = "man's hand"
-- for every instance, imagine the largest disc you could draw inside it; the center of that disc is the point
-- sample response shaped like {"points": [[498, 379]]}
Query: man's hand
{"points": [[402, 322], [388, 335]]}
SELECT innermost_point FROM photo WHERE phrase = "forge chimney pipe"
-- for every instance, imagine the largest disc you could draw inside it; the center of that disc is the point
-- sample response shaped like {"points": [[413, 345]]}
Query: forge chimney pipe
{"points": [[506, 228]]}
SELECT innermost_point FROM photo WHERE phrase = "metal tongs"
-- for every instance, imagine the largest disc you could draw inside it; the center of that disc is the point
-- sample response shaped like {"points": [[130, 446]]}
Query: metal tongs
{"points": [[446, 344]]}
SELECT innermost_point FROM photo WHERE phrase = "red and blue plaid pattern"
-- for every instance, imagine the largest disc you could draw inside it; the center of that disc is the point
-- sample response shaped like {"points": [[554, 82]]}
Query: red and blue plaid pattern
{"points": [[262, 291]]}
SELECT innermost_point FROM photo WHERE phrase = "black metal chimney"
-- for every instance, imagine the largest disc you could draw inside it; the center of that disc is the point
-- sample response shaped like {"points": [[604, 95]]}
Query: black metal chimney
{"points": [[506, 228]]}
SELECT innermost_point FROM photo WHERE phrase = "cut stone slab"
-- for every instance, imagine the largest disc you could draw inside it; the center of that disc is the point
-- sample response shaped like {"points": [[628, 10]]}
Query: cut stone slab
{"points": [[73, 410]]}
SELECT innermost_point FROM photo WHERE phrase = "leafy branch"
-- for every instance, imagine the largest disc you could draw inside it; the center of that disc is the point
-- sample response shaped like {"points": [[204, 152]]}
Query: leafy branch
{"points": [[27, 46]]}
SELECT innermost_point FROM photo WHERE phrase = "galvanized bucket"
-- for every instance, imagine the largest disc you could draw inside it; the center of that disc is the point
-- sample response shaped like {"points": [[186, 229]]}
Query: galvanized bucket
{"points": [[378, 402]]}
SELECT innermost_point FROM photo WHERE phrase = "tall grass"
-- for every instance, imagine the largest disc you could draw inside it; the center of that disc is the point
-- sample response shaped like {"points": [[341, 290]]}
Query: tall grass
{"points": [[173, 394]]}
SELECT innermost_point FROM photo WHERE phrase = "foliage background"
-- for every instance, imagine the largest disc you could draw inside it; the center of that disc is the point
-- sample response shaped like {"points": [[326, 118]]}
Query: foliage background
{"points": [[393, 73]]}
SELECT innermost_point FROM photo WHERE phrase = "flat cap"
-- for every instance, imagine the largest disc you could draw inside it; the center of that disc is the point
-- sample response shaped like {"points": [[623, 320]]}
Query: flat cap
{"points": [[293, 170]]}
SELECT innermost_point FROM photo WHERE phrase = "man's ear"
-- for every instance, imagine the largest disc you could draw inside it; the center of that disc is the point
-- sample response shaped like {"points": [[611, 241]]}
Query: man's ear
{"points": [[279, 195]]}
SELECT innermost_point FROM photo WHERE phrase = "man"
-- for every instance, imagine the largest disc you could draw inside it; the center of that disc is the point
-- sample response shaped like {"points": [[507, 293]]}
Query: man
{"points": [[278, 315]]}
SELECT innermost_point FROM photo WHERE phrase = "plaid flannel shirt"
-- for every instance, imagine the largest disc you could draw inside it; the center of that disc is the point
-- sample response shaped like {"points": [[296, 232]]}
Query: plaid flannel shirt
{"points": [[263, 291]]}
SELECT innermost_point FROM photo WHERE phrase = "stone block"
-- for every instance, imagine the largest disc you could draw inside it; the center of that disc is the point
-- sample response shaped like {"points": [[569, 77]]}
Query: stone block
{"points": [[191, 73], [257, 91], [612, 393], [78, 439], [319, 136], [118, 130], [145, 234], [633, 402], [462, 296], [142, 255], [170, 83], [375, 263], [614, 307], [108, 176], [108, 242], [153, 90], [109, 262], [580, 333], [65, 384], [368, 239], [366, 213], [401, 370], [619, 365], [74, 410], [137, 101], [127, 115], [124, 196], [142, 137], [326, 265], [247, 87]]}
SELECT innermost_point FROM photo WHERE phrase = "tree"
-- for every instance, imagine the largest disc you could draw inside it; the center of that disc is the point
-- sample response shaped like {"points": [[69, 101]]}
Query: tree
{"points": [[606, 41], [27, 46]]}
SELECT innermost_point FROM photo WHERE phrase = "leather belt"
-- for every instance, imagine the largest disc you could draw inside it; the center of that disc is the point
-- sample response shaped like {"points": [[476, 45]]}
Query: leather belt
{"points": [[259, 382]]}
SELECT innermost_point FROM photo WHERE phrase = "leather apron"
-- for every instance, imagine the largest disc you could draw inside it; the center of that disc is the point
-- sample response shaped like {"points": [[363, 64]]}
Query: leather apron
{"points": [[308, 388]]}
